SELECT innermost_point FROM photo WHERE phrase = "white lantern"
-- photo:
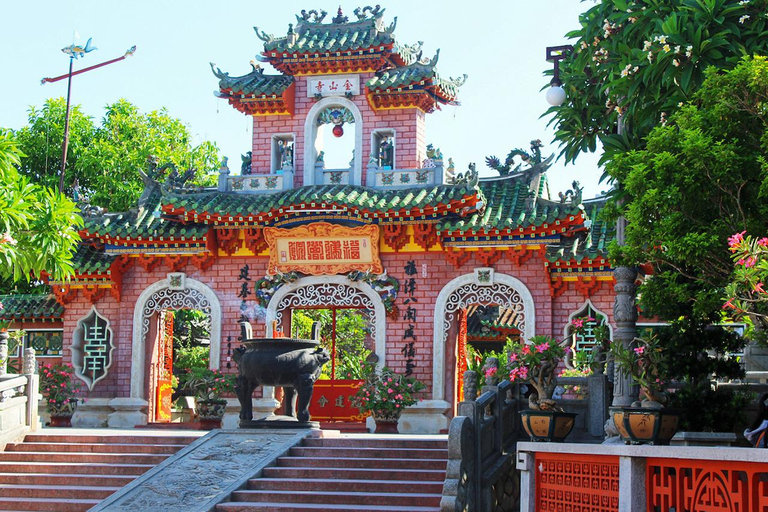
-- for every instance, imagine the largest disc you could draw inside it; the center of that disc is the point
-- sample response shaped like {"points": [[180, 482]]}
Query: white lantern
{"points": [[555, 96]]}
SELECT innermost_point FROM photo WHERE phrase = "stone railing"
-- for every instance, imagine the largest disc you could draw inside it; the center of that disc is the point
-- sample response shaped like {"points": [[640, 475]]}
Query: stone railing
{"points": [[18, 401], [256, 183], [555, 476], [481, 446]]}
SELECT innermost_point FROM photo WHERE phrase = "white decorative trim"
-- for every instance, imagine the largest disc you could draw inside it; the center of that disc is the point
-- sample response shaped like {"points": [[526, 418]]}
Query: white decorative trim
{"points": [[506, 291], [310, 138], [79, 336], [159, 296], [581, 310]]}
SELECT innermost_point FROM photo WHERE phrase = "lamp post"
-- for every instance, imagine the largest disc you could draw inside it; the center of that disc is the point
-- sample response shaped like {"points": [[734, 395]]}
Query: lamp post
{"points": [[74, 51], [625, 304]]}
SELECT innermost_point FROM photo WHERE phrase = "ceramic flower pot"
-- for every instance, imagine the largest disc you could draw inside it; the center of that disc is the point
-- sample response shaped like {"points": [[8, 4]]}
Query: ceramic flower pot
{"points": [[641, 425], [61, 414], [210, 413], [386, 422], [548, 425]]}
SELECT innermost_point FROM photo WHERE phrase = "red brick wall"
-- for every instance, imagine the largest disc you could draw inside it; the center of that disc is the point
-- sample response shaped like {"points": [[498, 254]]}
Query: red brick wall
{"points": [[409, 125], [222, 277]]}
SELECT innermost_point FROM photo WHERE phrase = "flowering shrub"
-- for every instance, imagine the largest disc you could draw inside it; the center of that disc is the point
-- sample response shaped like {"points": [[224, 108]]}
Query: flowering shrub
{"points": [[645, 364], [208, 384], [536, 363], [746, 294], [58, 387], [582, 371], [385, 392]]}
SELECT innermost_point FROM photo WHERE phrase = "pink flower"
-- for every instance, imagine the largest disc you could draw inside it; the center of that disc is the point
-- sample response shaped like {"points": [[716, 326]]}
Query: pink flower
{"points": [[490, 372], [763, 242], [578, 322], [390, 390], [7, 239], [735, 240], [729, 305], [541, 348], [524, 372], [639, 350], [512, 358], [526, 350], [759, 288]]}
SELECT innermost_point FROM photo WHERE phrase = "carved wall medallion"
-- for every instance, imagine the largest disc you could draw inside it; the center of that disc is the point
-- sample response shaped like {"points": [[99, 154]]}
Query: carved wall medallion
{"points": [[92, 346]]}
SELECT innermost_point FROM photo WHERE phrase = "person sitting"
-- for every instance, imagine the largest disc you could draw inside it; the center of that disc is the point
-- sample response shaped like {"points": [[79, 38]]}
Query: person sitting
{"points": [[756, 434]]}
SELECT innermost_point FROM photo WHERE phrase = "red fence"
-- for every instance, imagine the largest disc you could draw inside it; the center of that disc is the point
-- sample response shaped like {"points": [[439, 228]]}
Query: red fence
{"points": [[577, 483]]}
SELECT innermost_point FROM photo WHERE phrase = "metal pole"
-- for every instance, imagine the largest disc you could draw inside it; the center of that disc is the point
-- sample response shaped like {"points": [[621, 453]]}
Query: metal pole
{"points": [[65, 144]]}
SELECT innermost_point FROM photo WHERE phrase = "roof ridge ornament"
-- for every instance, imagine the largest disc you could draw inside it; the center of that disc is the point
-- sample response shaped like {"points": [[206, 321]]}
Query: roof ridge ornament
{"points": [[267, 38], [533, 158], [339, 18], [391, 28], [470, 177], [313, 16], [374, 12]]}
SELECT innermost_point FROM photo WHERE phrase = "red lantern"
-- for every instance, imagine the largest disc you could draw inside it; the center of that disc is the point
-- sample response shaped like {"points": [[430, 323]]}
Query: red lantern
{"points": [[338, 131]]}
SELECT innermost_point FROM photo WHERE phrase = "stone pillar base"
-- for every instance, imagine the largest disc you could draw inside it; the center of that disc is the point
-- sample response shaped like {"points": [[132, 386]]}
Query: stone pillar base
{"points": [[262, 407], [94, 412], [129, 412], [426, 417]]}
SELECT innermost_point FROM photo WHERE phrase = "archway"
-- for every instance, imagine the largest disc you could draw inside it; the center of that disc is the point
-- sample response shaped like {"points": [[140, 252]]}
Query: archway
{"points": [[310, 138], [177, 291], [484, 287]]}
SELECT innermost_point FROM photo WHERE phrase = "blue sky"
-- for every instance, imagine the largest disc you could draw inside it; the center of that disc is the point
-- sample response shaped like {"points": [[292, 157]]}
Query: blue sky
{"points": [[499, 44]]}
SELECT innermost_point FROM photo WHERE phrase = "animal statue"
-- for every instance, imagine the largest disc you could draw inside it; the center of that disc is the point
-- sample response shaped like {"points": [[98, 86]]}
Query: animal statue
{"points": [[294, 370], [76, 51]]}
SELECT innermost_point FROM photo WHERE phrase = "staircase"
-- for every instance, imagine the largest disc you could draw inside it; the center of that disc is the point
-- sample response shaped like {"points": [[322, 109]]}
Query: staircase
{"points": [[72, 470], [352, 472]]}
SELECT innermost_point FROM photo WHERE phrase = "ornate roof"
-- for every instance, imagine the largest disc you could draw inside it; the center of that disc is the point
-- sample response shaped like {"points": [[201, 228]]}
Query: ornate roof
{"points": [[257, 93], [30, 307], [398, 86], [512, 205], [590, 242], [312, 46], [403, 78], [88, 260], [337, 201]]}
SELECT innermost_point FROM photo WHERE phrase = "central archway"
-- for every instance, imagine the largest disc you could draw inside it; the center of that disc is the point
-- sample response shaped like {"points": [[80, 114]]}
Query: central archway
{"points": [[331, 290]]}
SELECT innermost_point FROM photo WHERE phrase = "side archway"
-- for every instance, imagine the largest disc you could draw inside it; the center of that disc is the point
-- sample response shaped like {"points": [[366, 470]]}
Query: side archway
{"points": [[310, 137], [174, 292], [498, 289]]}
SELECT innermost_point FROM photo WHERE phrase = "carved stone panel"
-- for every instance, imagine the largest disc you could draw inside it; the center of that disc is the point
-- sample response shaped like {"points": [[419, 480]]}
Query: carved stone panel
{"points": [[92, 347]]}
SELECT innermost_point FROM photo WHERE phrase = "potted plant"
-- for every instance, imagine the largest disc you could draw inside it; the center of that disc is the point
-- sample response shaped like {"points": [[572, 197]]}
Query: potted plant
{"points": [[208, 387], [536, 363], [384, 394], [646, 421], [59, 389]]}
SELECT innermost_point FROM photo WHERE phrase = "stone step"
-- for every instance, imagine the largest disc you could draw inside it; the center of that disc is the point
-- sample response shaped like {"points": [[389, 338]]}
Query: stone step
{"points": [[103, 458], [65, 479], [234, 506], [345, 498], [111, 439], [370, 453], [156, 449], [360, 462], [47, 504], [322, 485], [59, 491], [365, 442], [81, 468], [416, 475]]}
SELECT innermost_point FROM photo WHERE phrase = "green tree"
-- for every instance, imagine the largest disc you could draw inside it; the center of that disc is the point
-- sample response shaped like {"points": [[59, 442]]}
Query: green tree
{"points": [[635, 61], [38, 227], [106, 159], [701, 178]]}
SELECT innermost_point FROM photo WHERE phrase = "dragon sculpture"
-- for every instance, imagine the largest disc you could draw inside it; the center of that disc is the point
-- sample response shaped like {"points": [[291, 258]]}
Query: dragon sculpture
{"points": [[532, 158]]}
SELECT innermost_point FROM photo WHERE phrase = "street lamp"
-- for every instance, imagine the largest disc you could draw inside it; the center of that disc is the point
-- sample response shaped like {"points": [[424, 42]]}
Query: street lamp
{"points": [[556, 94]]}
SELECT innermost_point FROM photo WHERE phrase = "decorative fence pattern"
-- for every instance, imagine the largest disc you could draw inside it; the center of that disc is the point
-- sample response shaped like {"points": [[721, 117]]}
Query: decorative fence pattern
{"points": [[577, 484], [710, 485]]}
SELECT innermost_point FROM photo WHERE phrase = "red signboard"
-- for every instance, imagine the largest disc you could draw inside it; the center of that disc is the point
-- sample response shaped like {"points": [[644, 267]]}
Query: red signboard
{"points": [[331, 401]]}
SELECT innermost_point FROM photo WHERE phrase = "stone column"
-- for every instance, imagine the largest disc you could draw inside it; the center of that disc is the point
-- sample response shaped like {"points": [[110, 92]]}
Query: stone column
{"points": [[3, 353], [625, 316]]}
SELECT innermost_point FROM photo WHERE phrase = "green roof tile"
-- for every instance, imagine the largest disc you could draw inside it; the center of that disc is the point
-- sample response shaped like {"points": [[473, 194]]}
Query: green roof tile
{"points": [[88, 260], [590, 244], [255, 82], [29, 307], [348, 197]]}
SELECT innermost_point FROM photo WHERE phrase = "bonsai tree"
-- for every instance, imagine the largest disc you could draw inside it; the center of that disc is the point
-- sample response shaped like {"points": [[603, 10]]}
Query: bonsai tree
{"points": [[537, 364]]}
